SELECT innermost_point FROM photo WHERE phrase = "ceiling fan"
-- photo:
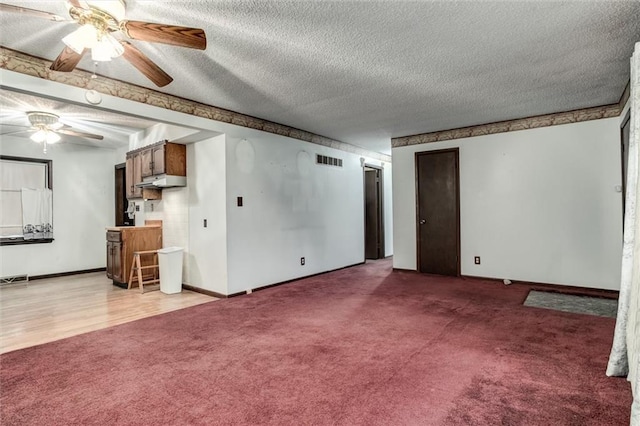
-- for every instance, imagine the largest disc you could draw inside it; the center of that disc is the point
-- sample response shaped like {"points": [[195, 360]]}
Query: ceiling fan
{"points": [[99, 21], [47, 129]]}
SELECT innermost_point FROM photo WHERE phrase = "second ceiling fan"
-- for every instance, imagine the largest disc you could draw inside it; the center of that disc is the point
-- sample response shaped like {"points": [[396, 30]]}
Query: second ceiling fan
{"points": [[99, 21]]}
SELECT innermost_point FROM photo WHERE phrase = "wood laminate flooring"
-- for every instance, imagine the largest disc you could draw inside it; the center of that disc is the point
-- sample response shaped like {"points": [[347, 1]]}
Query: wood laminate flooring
{"points": [[42, 311]]}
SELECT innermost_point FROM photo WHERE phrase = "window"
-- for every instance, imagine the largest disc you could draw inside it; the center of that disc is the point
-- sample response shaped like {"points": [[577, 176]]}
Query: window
{"points": [[25, 182]]}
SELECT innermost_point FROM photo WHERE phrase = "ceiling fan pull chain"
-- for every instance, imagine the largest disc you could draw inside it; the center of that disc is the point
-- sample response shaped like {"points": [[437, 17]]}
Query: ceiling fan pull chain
{"points": [[95, 69]]}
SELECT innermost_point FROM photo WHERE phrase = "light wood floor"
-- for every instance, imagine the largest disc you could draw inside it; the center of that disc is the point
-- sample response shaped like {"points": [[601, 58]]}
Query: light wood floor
{"points": [[51, 309]]}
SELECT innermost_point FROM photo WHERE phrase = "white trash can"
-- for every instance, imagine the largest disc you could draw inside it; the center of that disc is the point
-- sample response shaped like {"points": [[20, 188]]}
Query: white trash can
{"points": [[170, 262]]}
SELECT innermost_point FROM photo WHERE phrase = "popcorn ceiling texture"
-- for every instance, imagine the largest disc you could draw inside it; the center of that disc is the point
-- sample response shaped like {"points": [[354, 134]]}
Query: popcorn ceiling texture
{"points": [[365, 72], [115, 128], [25, 64]]}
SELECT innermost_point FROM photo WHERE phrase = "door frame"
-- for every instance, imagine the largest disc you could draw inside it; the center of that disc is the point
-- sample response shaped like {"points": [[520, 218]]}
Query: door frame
{"points": [[417, 200], [626, 120], [382, 250], [120, 168]]}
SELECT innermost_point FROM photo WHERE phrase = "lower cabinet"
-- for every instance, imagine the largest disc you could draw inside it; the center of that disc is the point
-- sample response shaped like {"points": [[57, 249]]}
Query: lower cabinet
{"points": [[122, 242], [114, 261]]}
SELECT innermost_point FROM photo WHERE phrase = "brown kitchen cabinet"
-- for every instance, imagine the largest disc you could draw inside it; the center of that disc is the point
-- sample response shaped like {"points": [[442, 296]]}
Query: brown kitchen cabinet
{"points": [[164, 158], [122, 242], [133, 175], [158, 159], [134, 167], [114, 261]]}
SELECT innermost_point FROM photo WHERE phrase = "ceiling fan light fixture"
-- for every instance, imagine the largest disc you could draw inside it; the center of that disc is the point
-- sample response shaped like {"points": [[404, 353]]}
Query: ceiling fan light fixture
{"points": [[114, 8], [106, 49], [39, 136], [42, 119], [52, 137], [44, 135], [85, 37]]}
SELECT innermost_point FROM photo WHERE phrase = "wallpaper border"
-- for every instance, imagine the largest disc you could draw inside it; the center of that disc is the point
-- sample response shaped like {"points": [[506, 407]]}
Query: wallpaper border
{"points": [[23, 63], [546, 120]]}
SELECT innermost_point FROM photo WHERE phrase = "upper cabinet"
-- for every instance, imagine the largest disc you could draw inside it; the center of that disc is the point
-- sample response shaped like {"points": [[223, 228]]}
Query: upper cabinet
{"points": [[155, 166], [133, 175], [164, 158]]}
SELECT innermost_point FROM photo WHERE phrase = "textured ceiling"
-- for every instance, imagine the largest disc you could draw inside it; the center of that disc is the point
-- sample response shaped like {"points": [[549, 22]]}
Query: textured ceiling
{"points": [[363, 72], [115, 128]]}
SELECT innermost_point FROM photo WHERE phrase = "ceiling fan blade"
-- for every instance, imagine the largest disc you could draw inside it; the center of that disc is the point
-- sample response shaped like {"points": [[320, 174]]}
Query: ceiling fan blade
{"points": [[145, 65], [66, 60], [80, 4], [15, 132], [194, 38], [33, 12], [79, 134], [15, 125]]}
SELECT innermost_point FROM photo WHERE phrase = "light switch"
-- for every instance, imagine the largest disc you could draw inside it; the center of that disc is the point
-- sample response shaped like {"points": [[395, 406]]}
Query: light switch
{"points": [[239, 201]]}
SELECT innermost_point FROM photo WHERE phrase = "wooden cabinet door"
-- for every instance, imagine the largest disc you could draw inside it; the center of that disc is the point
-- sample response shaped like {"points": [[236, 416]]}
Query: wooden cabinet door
{"points": [[129, 183], [157, 155], [137, 175], [116, 262], [109, 260], [146, 163], [133, 176]]}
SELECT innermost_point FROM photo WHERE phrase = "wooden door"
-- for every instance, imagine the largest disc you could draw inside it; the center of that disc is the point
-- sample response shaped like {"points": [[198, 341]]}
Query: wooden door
{"points": [[438, 227], [120, 195], [373, 215]]}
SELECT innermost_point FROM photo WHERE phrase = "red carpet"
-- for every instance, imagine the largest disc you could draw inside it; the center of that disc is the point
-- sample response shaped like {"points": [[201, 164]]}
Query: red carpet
{"points": [[360, 346]]}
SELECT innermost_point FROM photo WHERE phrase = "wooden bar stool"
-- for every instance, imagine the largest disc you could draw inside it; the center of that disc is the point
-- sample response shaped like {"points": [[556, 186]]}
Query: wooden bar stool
{"points": [[137, 268]]}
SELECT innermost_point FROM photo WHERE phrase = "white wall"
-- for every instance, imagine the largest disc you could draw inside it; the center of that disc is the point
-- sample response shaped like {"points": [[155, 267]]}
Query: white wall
{"points": [[158, 133], [537, 205], [292, 208], [83, 205], [206, 258]]}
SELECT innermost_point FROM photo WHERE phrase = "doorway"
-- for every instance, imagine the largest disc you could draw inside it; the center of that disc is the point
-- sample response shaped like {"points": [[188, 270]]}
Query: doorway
{"points": [[373, 213], [438, 212], [121, 202]]}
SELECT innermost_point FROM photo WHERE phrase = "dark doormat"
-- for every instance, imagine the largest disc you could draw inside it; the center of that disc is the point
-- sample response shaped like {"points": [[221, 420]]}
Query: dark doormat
{"points": [[572, 303]]}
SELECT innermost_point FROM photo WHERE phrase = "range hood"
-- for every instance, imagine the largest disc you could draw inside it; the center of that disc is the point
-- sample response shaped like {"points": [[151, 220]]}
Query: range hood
{"points": [[162, 181]]}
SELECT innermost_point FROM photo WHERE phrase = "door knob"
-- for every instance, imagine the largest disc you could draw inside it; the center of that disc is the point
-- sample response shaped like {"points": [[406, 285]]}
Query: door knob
{"points": [[422, 221]]}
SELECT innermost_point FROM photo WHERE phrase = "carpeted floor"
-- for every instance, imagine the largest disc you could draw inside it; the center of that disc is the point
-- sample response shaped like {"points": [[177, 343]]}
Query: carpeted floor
{"points": [[360, 346]]}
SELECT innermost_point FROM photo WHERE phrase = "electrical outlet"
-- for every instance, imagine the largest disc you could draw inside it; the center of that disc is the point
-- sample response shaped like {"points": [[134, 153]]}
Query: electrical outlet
{"points": [[476, 260], [302, 261]]}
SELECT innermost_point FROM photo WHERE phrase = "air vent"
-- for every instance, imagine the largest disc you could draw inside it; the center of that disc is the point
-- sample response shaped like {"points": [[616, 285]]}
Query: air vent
{"points": [[328, 161], [16, 279]]}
